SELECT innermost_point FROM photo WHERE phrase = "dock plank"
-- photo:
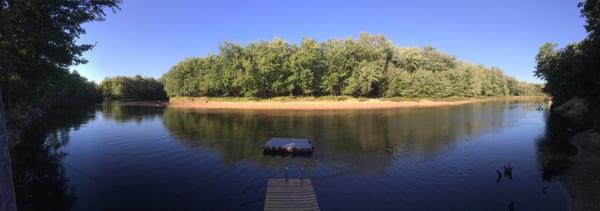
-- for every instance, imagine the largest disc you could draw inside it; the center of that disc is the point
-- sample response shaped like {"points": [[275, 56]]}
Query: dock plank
{"points": [[290, 194]]}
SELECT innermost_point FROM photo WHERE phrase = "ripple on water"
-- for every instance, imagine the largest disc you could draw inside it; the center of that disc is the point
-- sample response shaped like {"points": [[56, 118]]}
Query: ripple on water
{"points": [[413, 159]]}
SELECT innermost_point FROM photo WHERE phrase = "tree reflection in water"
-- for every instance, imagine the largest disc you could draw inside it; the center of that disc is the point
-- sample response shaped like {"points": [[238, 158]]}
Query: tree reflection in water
{"points": [[377, 147], [366, 139], [126, 113], [40, 183], [553, 148]]}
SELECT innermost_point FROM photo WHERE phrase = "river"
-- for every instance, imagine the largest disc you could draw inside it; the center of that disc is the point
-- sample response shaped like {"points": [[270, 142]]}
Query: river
{"points": [[117, 157]]}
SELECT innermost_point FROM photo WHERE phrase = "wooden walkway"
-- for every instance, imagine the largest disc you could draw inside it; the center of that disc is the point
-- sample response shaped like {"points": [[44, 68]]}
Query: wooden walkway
{"points": [[291, 194]]}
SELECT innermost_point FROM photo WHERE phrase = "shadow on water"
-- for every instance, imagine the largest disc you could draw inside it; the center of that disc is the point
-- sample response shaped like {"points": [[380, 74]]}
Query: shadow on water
{"points": [[40, 183], [553, 148]]}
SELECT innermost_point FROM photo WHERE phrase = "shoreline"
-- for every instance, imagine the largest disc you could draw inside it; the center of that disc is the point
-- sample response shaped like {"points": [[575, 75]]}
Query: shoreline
{"points": [[582, 174], [325, 104]]}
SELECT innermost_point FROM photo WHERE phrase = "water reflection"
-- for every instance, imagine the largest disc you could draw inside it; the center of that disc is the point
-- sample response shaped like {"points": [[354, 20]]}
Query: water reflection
{"points": [[553, 147], [113, 110], [40, 183], [135, 157], [553, 154], [238, 135]]}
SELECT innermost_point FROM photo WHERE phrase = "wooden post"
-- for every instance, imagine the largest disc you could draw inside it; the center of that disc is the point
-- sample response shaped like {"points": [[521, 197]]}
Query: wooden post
{"points": [[7, 188]]}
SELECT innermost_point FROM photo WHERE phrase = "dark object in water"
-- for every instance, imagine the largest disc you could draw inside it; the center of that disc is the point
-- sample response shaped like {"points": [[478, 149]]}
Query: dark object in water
{"points": [[289, 145], [499, 176], [508, 171]]}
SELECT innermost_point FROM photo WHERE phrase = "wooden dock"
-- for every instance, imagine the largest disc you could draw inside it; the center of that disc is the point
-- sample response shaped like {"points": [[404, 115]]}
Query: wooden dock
{"points": [[290, 194]]}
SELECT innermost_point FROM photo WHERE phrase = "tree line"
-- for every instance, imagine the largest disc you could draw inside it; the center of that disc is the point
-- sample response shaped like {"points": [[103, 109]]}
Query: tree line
{"points": [[132, 88], [37, 47], [370, 66], [573, 71]]}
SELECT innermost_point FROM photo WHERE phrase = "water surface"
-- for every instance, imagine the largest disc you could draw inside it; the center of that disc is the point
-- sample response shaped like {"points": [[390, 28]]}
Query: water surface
{"points": [[114, 157]]}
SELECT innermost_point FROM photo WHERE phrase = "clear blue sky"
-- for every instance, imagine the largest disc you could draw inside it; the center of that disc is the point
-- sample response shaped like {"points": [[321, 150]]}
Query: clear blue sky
{"points": [[149, 37]]}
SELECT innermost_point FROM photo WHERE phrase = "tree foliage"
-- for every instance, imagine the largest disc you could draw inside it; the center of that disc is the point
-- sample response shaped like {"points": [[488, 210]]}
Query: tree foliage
{"points": [[132, 88], [575, 69], [37, 46], [370, 66]]}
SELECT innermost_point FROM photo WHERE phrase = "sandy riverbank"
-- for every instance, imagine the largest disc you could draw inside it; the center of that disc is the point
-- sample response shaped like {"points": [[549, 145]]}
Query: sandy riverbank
{"points": [[321, 104]]}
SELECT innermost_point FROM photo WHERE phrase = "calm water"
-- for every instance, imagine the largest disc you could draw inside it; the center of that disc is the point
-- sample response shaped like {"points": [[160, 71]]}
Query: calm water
{"points": [[113, 157]]}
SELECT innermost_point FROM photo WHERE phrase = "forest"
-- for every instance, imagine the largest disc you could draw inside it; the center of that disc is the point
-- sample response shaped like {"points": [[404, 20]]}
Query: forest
{"points": [[131, 88], [369, 66]]}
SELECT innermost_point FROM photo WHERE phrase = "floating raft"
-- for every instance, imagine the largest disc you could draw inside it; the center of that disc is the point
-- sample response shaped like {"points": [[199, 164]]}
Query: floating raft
{"points": [[289, 145], [290, 194]]}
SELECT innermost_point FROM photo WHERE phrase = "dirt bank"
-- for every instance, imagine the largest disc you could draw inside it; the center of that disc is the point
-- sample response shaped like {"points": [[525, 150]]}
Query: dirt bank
{"points": [[154, 103], [582, 176], [318, 104]]}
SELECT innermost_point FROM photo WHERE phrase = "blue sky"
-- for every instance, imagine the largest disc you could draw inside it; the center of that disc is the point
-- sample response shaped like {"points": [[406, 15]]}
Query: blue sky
{"points": [[148, 37]]}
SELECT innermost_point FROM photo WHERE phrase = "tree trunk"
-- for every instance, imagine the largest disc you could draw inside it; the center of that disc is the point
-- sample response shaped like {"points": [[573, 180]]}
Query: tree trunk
{"points": [[7, 191], [4, 92]]}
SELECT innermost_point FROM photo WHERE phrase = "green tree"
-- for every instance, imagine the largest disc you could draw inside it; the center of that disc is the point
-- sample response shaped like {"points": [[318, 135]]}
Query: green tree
{"points": [[230, 62], [181, 80], [428, 84], [400, 83], [38, 43], [365, 79], [370, 66], [436, 61], [306, 66], [132, 88], [409, 59], [339, 59], [573, 70], [463, 80]]}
